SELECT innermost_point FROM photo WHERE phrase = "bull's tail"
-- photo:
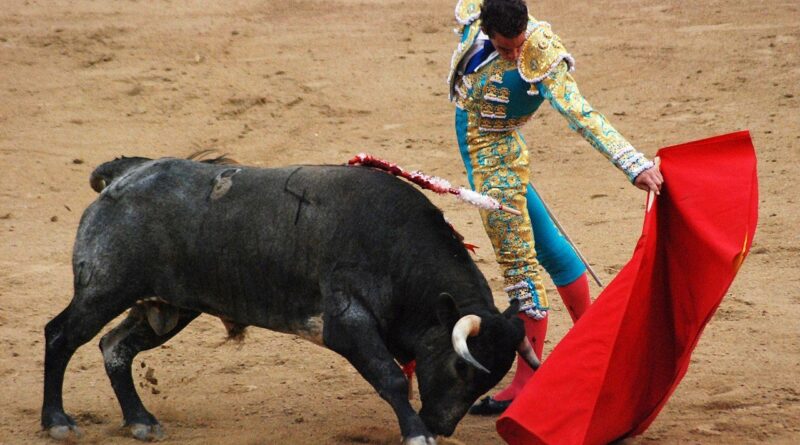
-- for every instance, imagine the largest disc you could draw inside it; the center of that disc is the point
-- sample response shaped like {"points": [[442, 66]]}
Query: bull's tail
{"points": [[236, 331]]}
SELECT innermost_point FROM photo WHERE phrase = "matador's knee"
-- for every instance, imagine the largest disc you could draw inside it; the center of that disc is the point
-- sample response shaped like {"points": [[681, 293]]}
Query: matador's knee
{"points": [[530, 295]]}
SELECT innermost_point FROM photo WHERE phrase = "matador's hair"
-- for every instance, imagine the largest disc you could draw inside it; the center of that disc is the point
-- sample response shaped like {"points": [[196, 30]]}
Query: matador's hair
{"points": [[507, 17]]}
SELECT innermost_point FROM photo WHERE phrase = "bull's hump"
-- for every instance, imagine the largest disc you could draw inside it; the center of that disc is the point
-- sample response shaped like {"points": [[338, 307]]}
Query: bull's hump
{"points": [[149, 174]]}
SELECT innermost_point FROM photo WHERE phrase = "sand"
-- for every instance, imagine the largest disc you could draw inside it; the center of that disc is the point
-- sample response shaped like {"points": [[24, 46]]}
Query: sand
{"points": [[279, 83]]}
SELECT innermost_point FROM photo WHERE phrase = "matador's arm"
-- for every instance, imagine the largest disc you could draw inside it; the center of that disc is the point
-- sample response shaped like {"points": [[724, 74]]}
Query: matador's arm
{"points": [[545, 63], [560, 89]]}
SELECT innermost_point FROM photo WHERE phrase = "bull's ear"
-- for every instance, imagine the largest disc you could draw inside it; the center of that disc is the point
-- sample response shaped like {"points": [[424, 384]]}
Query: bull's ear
{"points": [[447, 311], [512, 309]]}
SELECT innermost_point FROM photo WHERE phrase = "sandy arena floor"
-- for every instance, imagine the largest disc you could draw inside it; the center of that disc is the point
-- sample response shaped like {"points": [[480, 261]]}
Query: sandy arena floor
{"points": [[306, 81]]}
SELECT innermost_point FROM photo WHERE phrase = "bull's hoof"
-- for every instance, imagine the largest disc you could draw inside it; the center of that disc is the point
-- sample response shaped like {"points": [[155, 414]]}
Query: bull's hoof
{"points": [[419, 440], [59, 425], [147, 432], [62, 432]]}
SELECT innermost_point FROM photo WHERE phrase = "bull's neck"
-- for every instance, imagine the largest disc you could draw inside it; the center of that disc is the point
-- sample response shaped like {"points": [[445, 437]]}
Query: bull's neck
{"points": [[472, 296]]}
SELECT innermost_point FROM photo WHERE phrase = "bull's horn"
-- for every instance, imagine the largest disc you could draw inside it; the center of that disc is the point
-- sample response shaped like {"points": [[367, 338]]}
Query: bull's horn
{"points": [[467, 326], [97, 183], [525, 351]]}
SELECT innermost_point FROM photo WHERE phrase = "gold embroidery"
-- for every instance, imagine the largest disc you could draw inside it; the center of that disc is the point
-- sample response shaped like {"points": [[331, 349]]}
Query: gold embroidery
{"points": [[468, 10], [460, 90], [541, 52], [495, 94], [562, 91], [501, 170], [471, 32], [493, 111], [495, 124]]}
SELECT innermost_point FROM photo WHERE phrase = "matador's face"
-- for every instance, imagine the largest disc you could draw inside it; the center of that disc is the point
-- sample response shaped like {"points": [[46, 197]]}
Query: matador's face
{"points": [[508, 48]]}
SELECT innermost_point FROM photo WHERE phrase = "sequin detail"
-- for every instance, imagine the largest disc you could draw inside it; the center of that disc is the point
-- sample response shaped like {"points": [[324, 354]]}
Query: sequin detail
{"points": [[529, 302]]}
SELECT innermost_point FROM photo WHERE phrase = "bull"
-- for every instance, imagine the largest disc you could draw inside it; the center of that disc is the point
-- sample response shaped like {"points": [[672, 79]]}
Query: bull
{"points": [[348, 257]]}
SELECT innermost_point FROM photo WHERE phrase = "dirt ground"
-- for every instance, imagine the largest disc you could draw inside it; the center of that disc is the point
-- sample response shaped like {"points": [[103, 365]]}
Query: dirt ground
{"points": [[305, 81]]}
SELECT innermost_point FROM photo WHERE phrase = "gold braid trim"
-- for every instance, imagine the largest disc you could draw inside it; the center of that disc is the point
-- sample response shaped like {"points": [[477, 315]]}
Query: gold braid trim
{"points": [[541, 53], [471, 32], [467, 11]]}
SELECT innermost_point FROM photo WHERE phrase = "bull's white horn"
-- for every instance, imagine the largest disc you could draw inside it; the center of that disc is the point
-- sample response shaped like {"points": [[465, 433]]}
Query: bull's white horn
{"points": [[97, 183], [525, 351], [467, 326]]}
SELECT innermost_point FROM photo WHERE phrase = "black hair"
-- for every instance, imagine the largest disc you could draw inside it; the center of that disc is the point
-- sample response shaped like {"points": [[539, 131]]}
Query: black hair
{"points": [[506, 17]]}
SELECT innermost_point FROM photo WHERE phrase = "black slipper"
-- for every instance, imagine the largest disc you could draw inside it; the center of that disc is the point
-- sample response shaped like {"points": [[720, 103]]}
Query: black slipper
{"points": [[489, 406]]}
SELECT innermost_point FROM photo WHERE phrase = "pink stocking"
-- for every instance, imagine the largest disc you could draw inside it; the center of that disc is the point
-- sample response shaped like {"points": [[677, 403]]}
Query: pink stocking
{"points": [[576, 297], [535, 330]]}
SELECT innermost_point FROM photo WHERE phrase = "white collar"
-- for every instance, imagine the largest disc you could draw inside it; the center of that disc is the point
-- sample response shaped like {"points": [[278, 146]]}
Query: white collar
{"points": [[482, 37]]}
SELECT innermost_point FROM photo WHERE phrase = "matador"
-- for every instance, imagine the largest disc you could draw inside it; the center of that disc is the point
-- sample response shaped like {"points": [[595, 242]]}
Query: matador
{"points": [[506, 64]]}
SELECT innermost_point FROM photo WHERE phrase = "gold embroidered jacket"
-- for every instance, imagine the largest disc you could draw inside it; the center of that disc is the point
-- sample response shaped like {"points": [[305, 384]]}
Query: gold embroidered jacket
{"points": [[504, 95]]}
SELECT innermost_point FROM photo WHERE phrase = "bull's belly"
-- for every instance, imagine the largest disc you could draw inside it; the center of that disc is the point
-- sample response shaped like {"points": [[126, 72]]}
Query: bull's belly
{"points": [[162, 316], [308, 329], [306, 325]]}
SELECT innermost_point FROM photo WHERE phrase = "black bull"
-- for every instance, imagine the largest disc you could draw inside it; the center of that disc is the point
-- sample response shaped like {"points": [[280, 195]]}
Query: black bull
{"points": [[349, 257]]}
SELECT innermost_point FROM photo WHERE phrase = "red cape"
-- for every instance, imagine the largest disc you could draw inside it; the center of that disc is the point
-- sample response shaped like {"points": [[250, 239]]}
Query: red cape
{"points": [[615, 369]]}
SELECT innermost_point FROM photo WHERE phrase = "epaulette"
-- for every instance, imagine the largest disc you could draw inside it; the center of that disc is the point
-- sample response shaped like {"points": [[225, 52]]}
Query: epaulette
{"points": [[541, 53], [467, 11]]}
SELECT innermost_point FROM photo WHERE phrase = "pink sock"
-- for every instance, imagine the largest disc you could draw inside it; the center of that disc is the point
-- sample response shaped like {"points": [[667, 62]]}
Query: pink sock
{"points": [[535, 330], [575, 296]]}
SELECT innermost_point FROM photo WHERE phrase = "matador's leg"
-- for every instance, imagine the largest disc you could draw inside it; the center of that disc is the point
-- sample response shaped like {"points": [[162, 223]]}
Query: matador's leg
{"points": [[497, 165]]}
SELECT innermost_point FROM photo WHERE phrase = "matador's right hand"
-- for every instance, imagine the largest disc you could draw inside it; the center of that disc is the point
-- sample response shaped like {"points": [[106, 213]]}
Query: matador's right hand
{"points": [[650, 180]]}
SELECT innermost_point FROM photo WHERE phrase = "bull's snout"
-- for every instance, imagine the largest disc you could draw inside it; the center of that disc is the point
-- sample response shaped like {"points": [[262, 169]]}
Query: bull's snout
{"points": [[441, 422]]}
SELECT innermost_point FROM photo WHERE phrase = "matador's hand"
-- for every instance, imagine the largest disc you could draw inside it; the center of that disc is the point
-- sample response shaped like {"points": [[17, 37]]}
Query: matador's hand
{"points": [[650, 180]]}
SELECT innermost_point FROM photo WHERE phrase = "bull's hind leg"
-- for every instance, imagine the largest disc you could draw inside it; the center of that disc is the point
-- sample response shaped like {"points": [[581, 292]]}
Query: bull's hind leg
{"points": [[120, 346], [64, 334]]}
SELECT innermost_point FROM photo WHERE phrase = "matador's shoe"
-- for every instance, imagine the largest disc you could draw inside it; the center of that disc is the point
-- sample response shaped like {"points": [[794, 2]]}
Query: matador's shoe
{"points": [[488, 406]]}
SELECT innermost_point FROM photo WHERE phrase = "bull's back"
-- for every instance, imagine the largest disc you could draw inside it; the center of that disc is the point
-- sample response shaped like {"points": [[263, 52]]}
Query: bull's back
{"points": [[251, 244]]}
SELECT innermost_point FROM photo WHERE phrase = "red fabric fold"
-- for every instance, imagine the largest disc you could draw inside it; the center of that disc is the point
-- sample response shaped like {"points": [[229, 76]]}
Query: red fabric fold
{"points": [[616, 368]]}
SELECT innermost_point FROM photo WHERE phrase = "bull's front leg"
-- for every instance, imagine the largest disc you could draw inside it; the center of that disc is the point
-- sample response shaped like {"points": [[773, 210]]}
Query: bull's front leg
{"points": [[355, 335]]}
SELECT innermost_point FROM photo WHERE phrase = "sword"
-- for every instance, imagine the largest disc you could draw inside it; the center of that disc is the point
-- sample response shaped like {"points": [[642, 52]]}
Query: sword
{"points": [[569, 240], [651, 197]]}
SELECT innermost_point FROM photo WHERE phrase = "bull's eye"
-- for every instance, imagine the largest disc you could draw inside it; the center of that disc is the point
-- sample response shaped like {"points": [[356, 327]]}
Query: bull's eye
{"points": [[463, 369]]}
